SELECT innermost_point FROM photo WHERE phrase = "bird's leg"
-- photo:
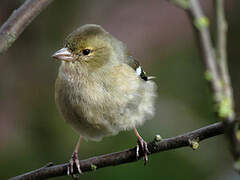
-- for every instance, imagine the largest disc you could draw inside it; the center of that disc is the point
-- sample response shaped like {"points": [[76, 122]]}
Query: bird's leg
{"points": [[141, 147], [74, 160]]}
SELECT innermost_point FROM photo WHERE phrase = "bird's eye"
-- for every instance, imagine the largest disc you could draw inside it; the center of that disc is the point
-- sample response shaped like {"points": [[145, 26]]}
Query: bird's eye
{"points": [[86, 52]]}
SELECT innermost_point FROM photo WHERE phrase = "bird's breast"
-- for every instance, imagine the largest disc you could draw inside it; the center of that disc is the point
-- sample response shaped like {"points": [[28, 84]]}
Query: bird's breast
{"points": [[101, 104]]}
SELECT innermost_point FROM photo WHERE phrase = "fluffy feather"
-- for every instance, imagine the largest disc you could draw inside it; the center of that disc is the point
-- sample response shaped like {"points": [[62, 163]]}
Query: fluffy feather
{"points": [[102, 100]]}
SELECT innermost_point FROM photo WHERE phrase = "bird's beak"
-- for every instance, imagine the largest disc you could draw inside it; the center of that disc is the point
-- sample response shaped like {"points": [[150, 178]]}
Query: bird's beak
{"points": [[63, 54]]}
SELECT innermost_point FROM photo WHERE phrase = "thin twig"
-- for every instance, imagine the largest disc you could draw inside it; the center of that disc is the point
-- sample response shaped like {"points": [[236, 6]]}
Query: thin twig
{"points": [[188, 139], [221, 40], [226, 111], [19, 20], [200, 25]]}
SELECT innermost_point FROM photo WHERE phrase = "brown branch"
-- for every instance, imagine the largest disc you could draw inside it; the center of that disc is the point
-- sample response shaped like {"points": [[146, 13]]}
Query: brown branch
{"points": [[188, 139], [19, 20]]}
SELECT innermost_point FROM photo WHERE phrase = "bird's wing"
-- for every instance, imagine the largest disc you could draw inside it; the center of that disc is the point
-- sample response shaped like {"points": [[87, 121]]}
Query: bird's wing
{"points": [[136, 66]]}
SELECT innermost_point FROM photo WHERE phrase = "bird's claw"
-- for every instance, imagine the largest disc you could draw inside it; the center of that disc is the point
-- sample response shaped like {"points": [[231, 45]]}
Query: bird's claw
{"points": [[74, 161], [142, 147]]}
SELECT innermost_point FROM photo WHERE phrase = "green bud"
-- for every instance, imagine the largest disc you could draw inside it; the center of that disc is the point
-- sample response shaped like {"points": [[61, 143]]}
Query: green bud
{"points": [[201, 22], [208, 76], [194, 144], [225, 109], [158, 138], [93, 167]]}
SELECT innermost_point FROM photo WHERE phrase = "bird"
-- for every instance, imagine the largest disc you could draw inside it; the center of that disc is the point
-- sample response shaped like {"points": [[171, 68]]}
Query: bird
{"points": [[101, 89]]}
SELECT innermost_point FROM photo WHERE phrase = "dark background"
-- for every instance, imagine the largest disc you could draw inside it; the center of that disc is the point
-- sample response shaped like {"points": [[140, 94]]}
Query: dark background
{"points": [[159, 35]]}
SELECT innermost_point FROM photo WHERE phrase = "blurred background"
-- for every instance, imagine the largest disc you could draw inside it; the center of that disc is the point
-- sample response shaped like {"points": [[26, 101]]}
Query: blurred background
{"points": [[159, 35]]}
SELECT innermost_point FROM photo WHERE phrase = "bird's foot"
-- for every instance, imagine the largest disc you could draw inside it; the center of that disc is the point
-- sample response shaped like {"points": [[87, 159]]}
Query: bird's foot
{"points": [[74, 162], [142, 147]]}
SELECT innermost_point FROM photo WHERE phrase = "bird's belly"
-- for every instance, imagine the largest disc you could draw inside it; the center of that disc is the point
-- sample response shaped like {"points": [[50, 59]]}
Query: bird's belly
{"points": [[93, 121], [93, 116], [100, 108]]}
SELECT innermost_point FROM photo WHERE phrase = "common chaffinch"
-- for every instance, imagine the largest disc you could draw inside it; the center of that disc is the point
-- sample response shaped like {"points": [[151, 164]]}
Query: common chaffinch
{"points": [[100, 89]]}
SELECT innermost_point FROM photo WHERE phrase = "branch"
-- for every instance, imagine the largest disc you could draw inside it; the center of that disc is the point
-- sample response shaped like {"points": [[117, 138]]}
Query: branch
{"points": [[226, 110], [188, 139], [19, 20], [221, 39], [216, 65], [200, 24]]}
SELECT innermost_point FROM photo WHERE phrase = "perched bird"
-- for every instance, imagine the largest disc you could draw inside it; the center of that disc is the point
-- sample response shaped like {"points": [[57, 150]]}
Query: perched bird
{"points": [[100, 89]]}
